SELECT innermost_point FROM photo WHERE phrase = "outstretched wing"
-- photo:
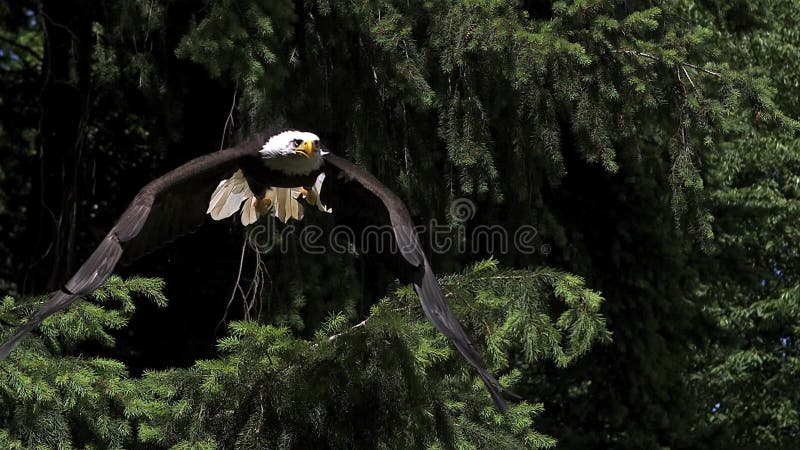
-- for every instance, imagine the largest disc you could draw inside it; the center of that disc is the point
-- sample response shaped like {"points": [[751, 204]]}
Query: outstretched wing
{"points": [[149, 210], [425, 283]]}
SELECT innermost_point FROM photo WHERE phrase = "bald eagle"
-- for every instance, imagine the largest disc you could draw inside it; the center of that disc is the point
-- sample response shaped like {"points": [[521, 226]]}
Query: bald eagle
{"points": [[280, 152], [257, 177]]}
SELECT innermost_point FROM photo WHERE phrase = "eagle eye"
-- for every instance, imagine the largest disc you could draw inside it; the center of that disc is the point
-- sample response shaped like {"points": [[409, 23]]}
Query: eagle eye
{"points": [[298, 142]]}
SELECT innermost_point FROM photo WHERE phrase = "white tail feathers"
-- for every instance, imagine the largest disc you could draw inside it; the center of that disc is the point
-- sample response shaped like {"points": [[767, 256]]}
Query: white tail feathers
{"points": [[286, 204], [283, 203]]}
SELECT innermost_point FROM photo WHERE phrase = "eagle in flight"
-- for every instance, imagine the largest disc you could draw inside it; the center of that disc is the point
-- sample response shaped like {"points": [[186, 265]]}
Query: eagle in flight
{"points": [[258, 177]]}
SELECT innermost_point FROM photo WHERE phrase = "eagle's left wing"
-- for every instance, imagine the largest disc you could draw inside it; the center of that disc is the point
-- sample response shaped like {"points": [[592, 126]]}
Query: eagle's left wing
{"points": [[430, 292]]}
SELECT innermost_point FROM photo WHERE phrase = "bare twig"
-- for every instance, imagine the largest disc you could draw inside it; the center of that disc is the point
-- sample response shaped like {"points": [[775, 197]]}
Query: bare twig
{"points": [[229, 119], [363, 323], [358, 325], [63, 27], [682, 63], [262, 276], [236, 287], [690, 79]]}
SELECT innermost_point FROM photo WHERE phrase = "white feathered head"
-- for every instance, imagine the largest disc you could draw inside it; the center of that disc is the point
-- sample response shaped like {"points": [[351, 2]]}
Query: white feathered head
{"points": [[293, 152]]}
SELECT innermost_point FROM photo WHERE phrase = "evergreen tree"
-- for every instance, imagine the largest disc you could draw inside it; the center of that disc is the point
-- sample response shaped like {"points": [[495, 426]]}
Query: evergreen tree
{"points": [[389, 381], [649, 143], [748, 373]]}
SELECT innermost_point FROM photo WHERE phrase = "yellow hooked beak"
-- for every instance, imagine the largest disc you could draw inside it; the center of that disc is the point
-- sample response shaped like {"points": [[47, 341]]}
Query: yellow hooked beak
{"points": [[305, 149]]}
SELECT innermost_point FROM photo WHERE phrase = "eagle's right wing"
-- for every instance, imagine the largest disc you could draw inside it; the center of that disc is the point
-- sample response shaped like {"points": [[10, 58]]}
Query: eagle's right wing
{"points": [[148, 221]]}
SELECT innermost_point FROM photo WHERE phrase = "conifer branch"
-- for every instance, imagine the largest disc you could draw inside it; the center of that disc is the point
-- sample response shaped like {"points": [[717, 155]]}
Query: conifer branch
{"points": [[23, 48], [358, 325], [364, 322], [682, 63]]}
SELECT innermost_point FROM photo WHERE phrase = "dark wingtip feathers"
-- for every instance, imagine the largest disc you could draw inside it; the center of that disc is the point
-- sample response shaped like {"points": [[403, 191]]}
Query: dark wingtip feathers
{"points": [[439, 312], [58, 301], [92, 274]]}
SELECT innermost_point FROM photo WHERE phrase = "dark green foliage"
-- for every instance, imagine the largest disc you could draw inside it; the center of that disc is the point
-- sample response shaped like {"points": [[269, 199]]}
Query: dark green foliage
{"points": [[749, 374], [390, 381], [651, 144], [52, 401]]}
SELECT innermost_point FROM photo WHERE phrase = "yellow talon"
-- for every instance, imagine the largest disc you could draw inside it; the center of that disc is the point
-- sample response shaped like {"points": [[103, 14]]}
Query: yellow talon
{"points": [[263, 204]]}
